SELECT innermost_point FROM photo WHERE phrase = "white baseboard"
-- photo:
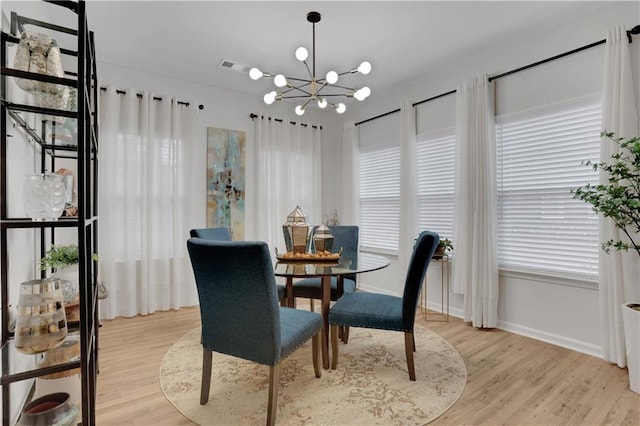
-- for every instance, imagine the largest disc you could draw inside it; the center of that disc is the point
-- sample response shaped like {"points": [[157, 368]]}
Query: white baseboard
{"points": [[554, 339], [371, 289]]}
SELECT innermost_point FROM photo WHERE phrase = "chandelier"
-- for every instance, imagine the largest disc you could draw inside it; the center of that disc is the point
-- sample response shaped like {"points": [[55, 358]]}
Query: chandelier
{"points": [[320, 90]]}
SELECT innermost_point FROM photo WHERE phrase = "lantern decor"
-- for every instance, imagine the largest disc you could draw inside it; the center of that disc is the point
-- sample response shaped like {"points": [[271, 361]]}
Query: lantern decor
{"points": [[323, 239], [297, 232]]}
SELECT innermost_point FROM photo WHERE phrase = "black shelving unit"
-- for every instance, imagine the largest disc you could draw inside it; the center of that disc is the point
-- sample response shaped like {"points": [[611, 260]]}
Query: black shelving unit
{"points": [[85, 153]]}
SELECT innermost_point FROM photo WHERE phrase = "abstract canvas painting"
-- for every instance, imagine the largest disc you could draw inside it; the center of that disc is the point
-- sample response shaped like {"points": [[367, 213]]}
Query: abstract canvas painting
{"points": [[226, 179]]}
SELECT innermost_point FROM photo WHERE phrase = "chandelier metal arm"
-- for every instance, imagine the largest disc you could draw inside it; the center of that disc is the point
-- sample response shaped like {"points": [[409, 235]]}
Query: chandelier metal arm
{"points": [[301, 90], [298, 79], [346, 95], [299, 87], [311, 74], [351, 71], [341, 87], [294, 96]]}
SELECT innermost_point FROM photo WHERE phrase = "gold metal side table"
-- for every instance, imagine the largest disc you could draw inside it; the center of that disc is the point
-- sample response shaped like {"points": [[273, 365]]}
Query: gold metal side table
{"points": [[445, 273]]}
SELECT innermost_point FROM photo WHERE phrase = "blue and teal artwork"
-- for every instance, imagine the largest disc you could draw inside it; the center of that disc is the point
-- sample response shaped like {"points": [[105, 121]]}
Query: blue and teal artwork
{"points": [[226, 179]]}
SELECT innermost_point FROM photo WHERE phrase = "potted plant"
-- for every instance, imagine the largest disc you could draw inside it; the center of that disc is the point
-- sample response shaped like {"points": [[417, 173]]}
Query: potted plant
{"points": [[619, 200], [445, 246], [63, 260], [60, 257]]}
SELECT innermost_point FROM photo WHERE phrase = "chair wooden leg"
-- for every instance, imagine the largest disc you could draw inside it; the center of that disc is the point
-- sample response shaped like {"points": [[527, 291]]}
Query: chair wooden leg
{"points": [[315, 348], [345, 334], [334, 346], [274, 381], [207, 356], [408, 349]]}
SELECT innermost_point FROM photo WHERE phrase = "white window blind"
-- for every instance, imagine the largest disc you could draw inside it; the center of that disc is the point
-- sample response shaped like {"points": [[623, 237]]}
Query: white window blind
{"points": [[435, 173], [380, 198], [540, 226]]}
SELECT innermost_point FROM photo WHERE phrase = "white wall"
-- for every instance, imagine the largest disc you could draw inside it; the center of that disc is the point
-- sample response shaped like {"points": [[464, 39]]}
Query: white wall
{"points": [[560, 311], [222, 108]]}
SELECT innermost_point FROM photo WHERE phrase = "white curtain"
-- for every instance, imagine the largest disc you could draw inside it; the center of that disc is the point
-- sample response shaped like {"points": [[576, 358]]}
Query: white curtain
{"points": [[475, 269], [287, 173], [146, 206], [350, 184], [408, 183], [619, 272]]}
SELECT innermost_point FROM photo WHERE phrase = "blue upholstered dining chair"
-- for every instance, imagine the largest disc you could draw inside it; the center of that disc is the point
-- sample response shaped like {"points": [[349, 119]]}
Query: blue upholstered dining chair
{"points": [[240, 314], [223, 233], [345, 237], [382, 311]]}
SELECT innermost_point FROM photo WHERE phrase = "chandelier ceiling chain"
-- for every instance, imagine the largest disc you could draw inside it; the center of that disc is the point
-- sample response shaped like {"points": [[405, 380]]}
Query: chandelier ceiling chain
{"points": [[313, 89]]}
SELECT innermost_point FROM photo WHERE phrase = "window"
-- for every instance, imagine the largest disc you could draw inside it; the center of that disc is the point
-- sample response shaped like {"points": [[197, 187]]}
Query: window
{"points": [[540, 226], [380, 198], [435, 173]]}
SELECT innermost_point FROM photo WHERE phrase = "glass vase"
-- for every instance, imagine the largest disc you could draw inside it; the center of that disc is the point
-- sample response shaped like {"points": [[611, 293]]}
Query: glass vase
{"points": [[41, 323], [44, 196]]}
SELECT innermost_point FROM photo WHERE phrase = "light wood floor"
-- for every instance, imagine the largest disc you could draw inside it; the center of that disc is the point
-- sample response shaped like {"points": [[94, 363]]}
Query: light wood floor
{"points": [[512, 380]]}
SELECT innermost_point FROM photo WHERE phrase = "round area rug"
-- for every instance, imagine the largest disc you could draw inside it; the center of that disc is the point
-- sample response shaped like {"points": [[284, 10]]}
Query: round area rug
{"points": [[370, 386]]}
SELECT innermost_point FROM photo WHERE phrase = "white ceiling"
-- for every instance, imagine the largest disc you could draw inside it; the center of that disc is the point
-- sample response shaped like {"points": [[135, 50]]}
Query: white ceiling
{"points": [[402, 40]]}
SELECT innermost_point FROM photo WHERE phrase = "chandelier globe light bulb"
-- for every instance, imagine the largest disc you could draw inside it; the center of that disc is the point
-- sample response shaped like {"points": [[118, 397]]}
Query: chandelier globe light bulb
{"points": [[302, 54], [332, 77], [364, 68], [270, 98], [255, 73], [341, 108], [322, 103], [362, 94], [280, 80], [299, 110]]}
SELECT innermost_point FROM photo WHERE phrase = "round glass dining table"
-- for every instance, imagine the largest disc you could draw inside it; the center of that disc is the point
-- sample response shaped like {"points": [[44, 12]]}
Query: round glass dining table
{"points": [[349, 263]]}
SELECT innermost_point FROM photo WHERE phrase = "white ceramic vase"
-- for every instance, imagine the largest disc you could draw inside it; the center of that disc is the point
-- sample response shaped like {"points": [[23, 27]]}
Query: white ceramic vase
{"points": [[631, 320], [69, 273]]}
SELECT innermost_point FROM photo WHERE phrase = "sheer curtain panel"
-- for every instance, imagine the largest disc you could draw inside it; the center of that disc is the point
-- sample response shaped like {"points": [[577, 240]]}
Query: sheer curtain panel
{"points": [[619, 278], [146, 205], [408, 184], [287, 166], [350, 174], [475, 272]]}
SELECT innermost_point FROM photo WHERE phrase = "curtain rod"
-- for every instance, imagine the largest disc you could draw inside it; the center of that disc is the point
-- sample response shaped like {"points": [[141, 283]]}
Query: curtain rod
{"points": [[280, 120], [634, 31], [155, 98]]}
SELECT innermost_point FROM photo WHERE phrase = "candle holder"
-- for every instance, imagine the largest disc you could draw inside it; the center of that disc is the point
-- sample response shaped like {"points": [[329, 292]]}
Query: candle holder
{"points": [[323, 239], [297, 232]]}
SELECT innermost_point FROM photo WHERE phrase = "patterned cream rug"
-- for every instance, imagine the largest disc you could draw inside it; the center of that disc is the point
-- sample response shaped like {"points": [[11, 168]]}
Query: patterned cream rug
{"points": [[371, 385]]}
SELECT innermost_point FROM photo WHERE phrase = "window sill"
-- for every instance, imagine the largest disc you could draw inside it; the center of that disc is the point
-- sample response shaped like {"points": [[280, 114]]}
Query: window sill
{"points": [[587, 282], [393, 254]]}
